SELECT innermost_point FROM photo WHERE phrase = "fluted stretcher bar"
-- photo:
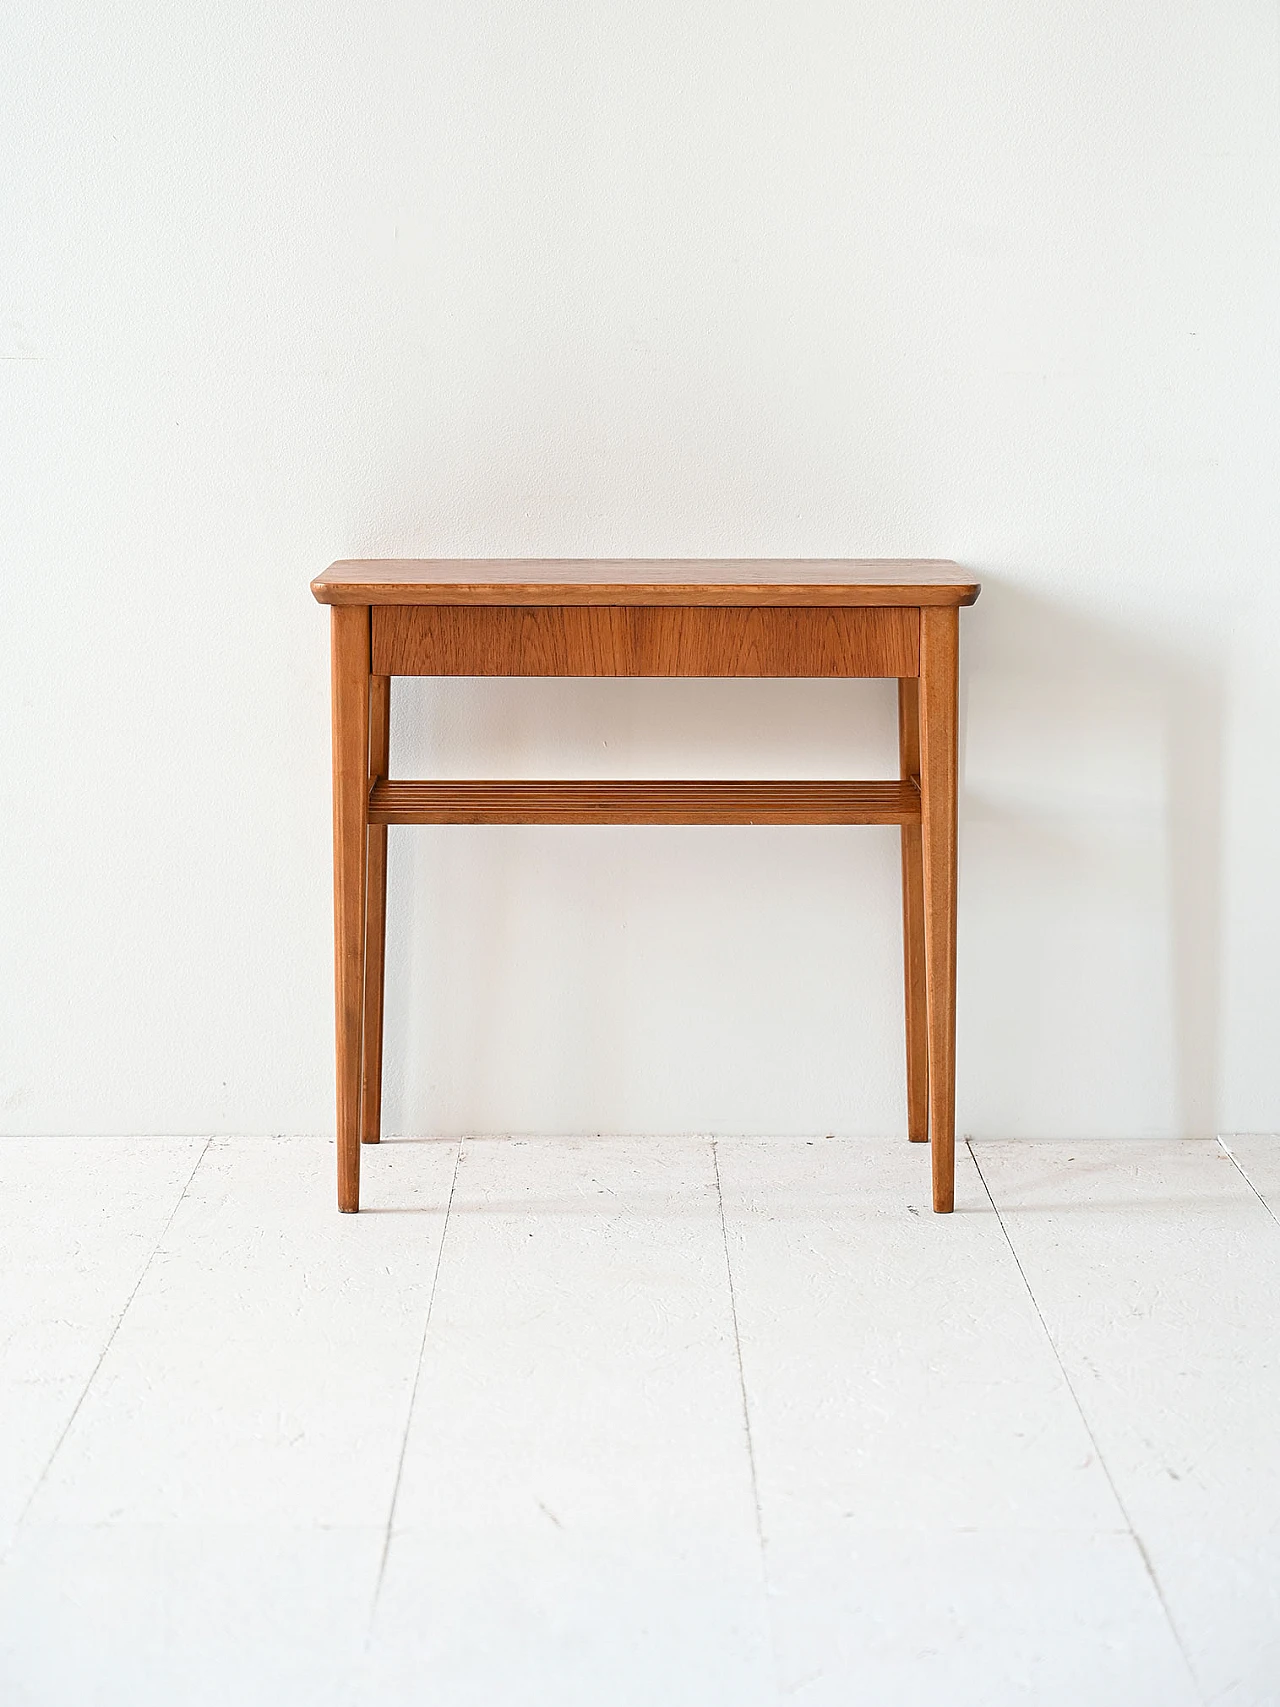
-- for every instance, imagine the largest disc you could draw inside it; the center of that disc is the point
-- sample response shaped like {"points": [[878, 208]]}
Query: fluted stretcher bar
{"points": [[644, 802]]}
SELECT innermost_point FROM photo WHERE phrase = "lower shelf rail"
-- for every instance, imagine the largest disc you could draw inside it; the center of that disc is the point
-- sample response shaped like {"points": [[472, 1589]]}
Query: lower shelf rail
{"points": [[644, 802]]}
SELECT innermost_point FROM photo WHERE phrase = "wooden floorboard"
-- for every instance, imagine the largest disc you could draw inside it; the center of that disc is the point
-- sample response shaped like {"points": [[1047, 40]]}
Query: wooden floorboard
{"points": [[636, 1420]]}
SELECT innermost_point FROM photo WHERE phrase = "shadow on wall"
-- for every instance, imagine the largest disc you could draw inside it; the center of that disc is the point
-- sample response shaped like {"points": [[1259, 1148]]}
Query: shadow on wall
{"points": [[1090, 882], [730, 981]]}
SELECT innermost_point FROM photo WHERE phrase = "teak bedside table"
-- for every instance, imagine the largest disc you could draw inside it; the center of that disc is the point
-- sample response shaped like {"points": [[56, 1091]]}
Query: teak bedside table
{"points": [[635, 618]]}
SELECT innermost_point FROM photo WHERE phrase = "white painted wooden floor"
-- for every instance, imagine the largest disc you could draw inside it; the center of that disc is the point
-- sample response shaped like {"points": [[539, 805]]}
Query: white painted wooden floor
{"points": [[649, 1421]]}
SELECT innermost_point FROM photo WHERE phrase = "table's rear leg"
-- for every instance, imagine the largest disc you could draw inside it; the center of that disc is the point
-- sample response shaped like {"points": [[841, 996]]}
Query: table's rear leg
{"points": [[350, 645], [939, 712], [913, 960], [375, 934]]}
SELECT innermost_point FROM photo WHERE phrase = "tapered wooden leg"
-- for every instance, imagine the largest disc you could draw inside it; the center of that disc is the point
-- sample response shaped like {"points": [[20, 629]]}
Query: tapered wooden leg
{"points": [[375, 926], [350, 638], [939, 711], [913, 970]]}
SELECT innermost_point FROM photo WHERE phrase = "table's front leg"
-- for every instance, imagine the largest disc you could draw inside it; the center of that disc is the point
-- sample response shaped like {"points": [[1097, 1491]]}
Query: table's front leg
{"points": [[939, 715], [351, 666]]}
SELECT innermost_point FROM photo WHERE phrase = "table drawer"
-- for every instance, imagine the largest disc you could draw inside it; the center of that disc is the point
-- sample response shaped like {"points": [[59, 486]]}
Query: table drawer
{"points": [[645, 640]]}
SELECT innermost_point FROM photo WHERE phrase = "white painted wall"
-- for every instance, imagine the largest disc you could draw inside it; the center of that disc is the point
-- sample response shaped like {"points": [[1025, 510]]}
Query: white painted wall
{"points": [[988, 281]]}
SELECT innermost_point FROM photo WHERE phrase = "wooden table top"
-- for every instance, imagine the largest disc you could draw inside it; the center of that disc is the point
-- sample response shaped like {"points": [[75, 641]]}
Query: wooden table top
{"points": [[645, 581]]}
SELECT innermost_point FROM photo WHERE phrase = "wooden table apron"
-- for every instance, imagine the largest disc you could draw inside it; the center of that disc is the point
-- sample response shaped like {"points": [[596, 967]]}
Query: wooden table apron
{"points": [[521, 619]]}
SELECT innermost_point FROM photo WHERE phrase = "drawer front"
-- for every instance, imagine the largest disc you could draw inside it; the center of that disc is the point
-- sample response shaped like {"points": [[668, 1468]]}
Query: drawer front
{"points": [[645, 640]]}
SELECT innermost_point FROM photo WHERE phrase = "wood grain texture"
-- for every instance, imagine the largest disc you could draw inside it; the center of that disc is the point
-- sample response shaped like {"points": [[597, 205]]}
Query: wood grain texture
{"points": [[645, 581], [350, 659], [620, 640], [913, 956], [939, 711], [644, 803], [375, 936]]}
